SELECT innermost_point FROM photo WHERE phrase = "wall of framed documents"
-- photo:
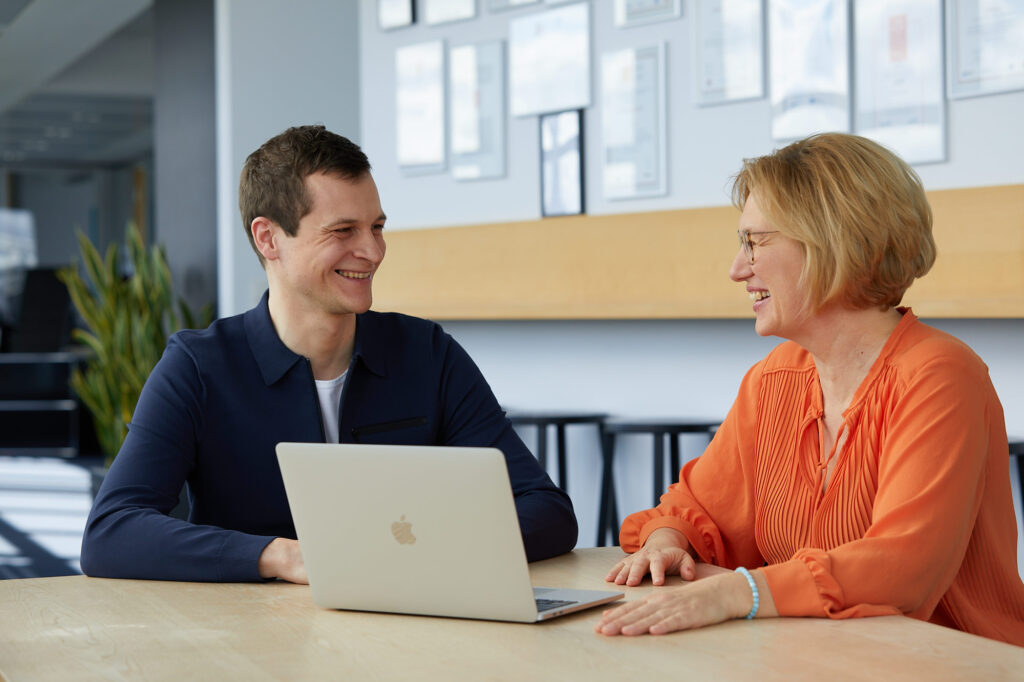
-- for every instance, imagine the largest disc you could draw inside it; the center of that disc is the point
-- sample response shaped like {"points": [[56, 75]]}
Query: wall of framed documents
{"points": [[673, 96]]}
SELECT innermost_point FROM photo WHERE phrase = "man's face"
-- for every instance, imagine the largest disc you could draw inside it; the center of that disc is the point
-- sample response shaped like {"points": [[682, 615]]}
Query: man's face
{"points": [[328, 266]]}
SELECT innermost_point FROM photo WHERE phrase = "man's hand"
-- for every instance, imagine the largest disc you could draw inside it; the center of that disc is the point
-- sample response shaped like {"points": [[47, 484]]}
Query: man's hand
{"points": [[663, 554], [282, 559]]}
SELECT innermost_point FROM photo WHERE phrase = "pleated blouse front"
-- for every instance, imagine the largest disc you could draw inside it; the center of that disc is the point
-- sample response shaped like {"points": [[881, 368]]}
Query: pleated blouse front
{"points": [[916, 517]]}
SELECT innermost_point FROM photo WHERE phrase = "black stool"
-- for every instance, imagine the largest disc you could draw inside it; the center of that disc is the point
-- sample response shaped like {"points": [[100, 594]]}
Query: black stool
{"points": [[542, 420], [607, 519]]}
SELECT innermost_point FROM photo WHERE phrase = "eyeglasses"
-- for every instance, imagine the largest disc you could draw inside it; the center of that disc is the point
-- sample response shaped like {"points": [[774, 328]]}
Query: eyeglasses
{"points": [[748, 244]]}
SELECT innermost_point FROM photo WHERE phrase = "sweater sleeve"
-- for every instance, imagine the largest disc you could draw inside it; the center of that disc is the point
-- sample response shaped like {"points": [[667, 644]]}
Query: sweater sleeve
{"points": [[473, 417], [933, 446], [712, 504], [129, 533]]}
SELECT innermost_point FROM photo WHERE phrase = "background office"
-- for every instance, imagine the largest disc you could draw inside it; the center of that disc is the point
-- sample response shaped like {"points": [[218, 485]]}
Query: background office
{"points": [[222, 76]]}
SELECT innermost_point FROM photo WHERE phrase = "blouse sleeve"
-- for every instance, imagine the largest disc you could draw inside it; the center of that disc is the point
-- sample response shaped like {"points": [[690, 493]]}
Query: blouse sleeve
{"points": [[931, 464], [713, 502]]}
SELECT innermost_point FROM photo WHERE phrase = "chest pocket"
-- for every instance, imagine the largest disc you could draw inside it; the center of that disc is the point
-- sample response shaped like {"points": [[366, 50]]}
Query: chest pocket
{"points": [[410, 431]]}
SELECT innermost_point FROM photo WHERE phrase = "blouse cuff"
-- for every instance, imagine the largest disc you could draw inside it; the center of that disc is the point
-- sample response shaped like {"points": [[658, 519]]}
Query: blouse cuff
{"points": [[633, 536], [804, 586]]}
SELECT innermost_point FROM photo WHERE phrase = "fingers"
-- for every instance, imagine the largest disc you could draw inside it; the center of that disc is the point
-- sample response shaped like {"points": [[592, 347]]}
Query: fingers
{"points": [[614, 573], [639, 618], [657, 567], [613, 620], [630, 571], [687, 568], [659, 563], [683, 607]]}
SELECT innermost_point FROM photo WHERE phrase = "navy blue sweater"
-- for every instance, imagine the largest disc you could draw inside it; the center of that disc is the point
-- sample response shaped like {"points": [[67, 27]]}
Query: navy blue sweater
{"points": [[220, 400]]}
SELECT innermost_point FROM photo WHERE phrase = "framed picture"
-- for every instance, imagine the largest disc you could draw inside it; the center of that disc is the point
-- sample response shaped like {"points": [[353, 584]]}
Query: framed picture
{"points": [[729, 46], [637, 12], [633, 156], [986, 47], [561, 163], [395, 13], [549, 60], [476, 93], [899, 99], [498, 5], [444, 11], [420, 107], [809, 67]]}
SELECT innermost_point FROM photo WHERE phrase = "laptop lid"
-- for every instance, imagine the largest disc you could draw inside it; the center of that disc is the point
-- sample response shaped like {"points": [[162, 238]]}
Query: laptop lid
{"points": [[410, 529]]}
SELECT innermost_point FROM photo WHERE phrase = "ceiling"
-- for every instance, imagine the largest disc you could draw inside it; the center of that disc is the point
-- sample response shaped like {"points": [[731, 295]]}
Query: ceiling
{"points": [[76, 83]]}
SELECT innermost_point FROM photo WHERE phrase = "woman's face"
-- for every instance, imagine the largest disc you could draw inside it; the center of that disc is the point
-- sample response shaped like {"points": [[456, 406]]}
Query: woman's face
{"points": [[773, 279]]}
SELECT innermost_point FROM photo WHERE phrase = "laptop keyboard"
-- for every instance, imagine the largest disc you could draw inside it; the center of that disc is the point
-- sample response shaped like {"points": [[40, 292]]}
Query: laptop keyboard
{"points": [[548, 604]]}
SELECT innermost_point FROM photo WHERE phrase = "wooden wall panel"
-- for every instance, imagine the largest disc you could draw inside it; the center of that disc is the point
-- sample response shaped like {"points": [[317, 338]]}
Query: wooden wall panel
{"points": [[674, 264]]}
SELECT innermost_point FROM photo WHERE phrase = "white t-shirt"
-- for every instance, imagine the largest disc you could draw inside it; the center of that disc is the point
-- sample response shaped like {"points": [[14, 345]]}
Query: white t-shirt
{"points": [[330, 404]]}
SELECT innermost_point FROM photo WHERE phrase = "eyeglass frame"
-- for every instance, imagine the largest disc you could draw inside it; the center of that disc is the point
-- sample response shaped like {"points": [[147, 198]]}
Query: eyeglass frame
{"points": [[748, 244]]}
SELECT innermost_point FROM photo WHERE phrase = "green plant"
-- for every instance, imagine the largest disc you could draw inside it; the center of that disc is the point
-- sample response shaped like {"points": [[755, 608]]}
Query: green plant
{"points": [[128, 319]]}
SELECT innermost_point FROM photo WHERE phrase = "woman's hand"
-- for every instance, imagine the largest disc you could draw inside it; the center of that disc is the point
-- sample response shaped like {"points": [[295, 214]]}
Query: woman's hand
{"points": [[663, 554], [707, 601]]}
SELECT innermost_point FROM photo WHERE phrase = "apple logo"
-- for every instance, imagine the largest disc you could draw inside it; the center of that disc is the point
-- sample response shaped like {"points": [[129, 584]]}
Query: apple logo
{"points": [[402, 530]]}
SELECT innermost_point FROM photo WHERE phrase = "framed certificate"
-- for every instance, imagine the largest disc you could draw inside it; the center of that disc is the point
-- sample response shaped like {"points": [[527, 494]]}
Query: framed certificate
{"points": [[444, 11], [986, 46], [549, 60], [496, 5], [633, 157], [729, 45], [561, 163], [476, 87], [637, 12], [419, 100], [809, 67], [898, 86], [395, 13]]}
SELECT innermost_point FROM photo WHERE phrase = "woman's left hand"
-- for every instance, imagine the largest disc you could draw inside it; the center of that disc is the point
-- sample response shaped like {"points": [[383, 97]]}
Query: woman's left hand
{"points": [[704, 602]]}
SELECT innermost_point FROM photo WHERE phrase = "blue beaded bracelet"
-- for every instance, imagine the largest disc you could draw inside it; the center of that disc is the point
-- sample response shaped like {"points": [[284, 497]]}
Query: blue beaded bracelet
{"points": [[753, 588]]}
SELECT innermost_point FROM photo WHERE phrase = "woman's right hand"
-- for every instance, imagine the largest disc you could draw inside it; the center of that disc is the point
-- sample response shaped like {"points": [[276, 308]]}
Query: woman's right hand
{"points": [[663, 554]]}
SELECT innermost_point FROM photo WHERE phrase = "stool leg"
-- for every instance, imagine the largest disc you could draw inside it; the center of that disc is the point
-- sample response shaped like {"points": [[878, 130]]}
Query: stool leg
{"points": [[673, 457], [563, 469], [659, 466], [606, 513], [542, 445]]}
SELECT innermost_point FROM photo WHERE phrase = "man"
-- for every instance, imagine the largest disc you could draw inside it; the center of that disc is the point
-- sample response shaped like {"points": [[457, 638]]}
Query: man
{"points": [[309, 363]]}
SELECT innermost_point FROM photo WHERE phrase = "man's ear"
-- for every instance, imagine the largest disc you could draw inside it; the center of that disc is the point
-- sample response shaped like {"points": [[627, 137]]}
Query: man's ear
{"points": [[264, 236]]}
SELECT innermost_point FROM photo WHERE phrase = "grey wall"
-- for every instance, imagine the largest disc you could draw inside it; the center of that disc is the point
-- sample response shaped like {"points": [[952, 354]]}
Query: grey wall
{"points": [[184, 117], [279, 64], [96, 201]]}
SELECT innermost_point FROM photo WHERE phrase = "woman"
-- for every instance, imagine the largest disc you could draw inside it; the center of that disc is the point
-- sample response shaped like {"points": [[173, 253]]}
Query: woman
{"points": [[863, 469]]}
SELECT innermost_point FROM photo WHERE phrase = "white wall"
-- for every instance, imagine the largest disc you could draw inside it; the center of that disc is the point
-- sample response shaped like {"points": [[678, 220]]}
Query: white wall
{"points": [[656, 368], [706, 144]]}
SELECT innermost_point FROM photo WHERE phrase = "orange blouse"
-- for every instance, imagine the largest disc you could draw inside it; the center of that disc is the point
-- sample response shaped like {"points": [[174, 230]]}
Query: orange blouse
{"points": [[917, 516]]}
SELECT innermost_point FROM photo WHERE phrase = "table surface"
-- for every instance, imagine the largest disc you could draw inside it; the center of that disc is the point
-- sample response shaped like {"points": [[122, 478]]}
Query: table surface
{"points": [[94, 629]]}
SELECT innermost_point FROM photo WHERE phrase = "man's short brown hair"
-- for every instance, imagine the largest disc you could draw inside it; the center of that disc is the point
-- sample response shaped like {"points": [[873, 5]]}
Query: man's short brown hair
{"points": [[273, 181], [858, 210]]}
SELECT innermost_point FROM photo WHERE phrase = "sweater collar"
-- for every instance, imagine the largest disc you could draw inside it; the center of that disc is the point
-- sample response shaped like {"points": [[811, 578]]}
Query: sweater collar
{"points": [[275, 359]]}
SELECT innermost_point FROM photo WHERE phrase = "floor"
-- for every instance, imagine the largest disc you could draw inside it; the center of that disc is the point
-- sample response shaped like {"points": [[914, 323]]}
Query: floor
{"points": [[44, 502]]}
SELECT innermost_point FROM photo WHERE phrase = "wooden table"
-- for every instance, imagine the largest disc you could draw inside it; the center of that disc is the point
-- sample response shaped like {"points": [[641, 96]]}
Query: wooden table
{"points": [[78, 628]]}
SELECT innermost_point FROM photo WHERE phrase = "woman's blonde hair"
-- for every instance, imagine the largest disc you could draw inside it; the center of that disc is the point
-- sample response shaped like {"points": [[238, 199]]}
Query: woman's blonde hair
{"points": [[859, 211]]}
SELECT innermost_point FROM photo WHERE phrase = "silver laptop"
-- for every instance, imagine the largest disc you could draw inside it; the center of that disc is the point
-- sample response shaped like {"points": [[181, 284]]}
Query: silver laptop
{"points": [[416, 529]]}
